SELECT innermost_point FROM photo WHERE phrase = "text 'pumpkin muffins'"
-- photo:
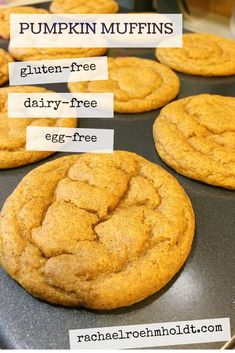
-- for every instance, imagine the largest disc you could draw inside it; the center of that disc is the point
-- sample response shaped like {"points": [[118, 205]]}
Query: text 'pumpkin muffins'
{"points": [[139, 85], [196, 137], [96, 230], [5, 58], [81, 6], [13, 131], [201, 54], [18, 10]]}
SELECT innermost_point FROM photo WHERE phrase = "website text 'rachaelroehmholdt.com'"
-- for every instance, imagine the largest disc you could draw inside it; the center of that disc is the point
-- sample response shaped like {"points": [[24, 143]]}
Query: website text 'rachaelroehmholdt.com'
{"points": [[152, 335]]}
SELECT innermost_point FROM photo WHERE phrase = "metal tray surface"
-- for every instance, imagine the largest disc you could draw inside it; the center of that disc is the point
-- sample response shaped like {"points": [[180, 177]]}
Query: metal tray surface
{"points": [[203, 289]]}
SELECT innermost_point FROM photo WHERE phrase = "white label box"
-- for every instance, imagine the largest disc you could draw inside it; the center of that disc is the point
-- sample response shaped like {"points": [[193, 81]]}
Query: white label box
{"points": [[152, 335], [40, 138], [54, 71], [60, 105], [96, 30]]}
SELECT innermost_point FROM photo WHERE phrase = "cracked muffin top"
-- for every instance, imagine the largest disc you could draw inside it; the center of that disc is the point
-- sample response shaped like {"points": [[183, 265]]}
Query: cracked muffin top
{"points": [[196, 137], [22, 54], [5, 58], [96, 230], [13, 151], [138, 85], [84, 6], [18, 10], [202, 54]]}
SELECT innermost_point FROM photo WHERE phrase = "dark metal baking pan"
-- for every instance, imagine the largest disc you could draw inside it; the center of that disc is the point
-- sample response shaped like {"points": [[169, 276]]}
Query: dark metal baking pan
{"points": [[203, 289]]}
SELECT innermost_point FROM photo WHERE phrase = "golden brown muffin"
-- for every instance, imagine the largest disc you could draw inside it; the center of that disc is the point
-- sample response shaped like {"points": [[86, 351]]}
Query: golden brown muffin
{"points": [[5, 58], [202, 54], [5, 17], [84, 6], [139, 85], [13, 131], [96, 230], [196, 137], [54, 53]]}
